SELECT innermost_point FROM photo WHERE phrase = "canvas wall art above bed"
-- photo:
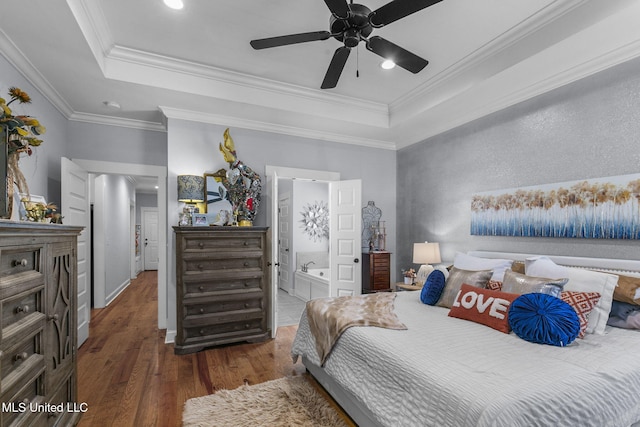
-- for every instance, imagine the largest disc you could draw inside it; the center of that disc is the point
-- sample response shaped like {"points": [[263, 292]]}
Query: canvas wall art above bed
{"points": [[459, 364]]}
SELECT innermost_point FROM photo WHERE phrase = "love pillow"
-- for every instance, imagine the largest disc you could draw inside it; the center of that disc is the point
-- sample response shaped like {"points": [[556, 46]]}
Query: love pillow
{"points": [[484, 306]]}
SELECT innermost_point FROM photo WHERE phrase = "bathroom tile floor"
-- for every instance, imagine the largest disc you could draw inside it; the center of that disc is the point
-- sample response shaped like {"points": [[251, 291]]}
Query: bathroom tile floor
{"points": [[289, 309]]}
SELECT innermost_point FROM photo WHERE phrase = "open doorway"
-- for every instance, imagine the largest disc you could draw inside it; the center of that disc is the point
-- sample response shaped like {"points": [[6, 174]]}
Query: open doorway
{"points": [[159, 173], [345, 223]]}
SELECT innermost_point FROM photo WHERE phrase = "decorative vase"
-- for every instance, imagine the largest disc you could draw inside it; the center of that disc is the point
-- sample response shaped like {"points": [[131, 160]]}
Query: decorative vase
{"points": [[408, 280]]}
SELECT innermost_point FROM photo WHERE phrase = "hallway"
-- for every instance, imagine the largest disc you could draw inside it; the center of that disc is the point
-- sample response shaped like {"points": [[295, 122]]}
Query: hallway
{"points": [[128, 376]]}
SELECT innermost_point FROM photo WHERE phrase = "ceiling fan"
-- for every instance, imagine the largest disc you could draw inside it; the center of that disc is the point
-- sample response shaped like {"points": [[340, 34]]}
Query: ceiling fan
{"points": [[353, 23]]}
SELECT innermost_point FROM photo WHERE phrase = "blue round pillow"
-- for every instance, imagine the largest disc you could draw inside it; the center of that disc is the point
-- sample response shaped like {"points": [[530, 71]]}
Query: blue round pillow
{"points": [[433, 287], [544, 319]]}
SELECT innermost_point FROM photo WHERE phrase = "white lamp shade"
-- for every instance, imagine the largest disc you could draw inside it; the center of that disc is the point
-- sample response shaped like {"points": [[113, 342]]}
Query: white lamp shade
{"points": [[426, 253]]}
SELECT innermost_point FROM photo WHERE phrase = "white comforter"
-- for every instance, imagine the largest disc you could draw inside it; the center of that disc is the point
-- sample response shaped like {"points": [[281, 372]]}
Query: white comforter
{"points": [[444, 371]]}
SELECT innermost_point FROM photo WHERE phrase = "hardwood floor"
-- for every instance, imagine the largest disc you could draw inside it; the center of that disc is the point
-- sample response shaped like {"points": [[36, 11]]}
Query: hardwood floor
{"points": [[128, 376]]}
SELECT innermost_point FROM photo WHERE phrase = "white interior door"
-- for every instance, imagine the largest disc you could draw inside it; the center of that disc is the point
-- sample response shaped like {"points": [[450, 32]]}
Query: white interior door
{"points": [[284, 243], [76, 211], [345, 223], [150, 237], [273, 186]]}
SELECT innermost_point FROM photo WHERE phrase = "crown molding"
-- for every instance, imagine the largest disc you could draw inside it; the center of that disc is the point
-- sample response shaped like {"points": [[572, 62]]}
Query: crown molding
{"points": [[117, 121], [557, 22], [218, 119]]}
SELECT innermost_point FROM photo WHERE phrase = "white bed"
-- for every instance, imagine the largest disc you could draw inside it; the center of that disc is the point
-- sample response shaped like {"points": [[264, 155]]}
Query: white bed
{"points": [[444, 371]]}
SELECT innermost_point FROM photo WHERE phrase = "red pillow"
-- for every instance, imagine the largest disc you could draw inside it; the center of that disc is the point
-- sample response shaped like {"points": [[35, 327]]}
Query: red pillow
{"points": [[483, 306], [582, 303]]}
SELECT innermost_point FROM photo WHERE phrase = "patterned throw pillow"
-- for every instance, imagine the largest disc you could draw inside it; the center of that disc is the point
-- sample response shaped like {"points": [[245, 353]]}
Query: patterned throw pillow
{"points": [[483, 306], [494, 285], [432, 288], [582, 303], [544, 319]]}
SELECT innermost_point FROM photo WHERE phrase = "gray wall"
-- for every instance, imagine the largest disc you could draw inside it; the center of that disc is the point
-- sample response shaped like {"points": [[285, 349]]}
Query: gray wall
{"points": [[588, 129], [92, 141], [42, 168]]}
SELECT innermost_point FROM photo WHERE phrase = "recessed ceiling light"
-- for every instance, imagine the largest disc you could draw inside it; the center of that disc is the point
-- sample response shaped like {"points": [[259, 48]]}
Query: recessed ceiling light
{"points": [[174, 4], [387, 64]]}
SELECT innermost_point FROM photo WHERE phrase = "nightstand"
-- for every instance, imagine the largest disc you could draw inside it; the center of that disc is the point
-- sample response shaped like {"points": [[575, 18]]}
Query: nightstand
{"points": [[402, 287]]}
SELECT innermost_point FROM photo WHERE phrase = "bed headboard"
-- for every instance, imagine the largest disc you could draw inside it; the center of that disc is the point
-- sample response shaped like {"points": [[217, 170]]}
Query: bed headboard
{"points": [[621, 266]]}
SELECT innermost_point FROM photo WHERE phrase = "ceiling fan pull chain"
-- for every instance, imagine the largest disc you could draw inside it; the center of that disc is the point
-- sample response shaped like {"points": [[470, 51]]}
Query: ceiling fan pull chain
{"points": [[358, 61]]}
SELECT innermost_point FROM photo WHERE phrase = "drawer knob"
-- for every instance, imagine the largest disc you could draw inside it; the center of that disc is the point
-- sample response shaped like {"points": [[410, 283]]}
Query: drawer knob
{"points": [[247, 326], [20, 263], [21, 356], [53, 317], [246, 264], [201, 245], [246, 284], [246, 243], [200, 266], [201, 331], [201, 310], [246, 305], [22, 309], [201, 288]]}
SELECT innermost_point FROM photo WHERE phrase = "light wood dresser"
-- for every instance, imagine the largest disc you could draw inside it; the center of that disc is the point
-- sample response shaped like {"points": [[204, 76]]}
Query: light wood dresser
{"points": [[38, 311], [222, 286]]}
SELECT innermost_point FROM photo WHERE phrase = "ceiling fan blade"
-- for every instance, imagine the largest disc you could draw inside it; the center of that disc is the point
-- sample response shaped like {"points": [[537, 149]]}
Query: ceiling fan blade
{"points": [[398, 9], [339, 8], [290, 39], [403, 58], [335, 68]]}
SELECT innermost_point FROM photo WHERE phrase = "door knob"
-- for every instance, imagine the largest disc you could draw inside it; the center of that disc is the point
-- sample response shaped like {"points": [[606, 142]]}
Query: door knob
{"points": [[356, 260]]}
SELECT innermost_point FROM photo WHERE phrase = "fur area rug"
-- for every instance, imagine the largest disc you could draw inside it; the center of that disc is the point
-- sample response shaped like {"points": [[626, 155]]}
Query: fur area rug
{"points": [[289, 401]]}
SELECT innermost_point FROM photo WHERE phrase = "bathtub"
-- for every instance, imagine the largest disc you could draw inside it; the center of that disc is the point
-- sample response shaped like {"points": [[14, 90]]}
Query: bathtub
{"points": [[312, 284], [320, 273]]}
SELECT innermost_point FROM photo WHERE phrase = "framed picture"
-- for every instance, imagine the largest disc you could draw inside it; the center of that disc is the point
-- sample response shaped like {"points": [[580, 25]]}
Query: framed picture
{"points": [[200, 220], [216, 195]]}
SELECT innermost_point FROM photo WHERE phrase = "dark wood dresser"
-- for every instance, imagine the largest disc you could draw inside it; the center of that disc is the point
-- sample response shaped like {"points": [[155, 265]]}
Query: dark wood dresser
{"points": [[38, 311], [376, 272], [222, 286]]}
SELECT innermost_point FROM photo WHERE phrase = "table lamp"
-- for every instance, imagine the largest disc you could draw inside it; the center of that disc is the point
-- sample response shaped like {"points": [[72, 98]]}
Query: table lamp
{"points": [[425, 254], [190, 191]]}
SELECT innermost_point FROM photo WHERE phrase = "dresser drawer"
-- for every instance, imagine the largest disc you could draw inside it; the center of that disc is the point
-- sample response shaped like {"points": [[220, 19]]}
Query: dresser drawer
{"points": [[237, 302], [221, 262], [199, 285], [225, 243], [19, 260], [25, 404], [221, 331], [19, 360], [20, 306]]}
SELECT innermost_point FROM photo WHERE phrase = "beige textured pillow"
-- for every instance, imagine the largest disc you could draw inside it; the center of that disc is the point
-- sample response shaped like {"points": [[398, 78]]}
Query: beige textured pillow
{"points": [[628, 289], [457, 277], [517, 283]]}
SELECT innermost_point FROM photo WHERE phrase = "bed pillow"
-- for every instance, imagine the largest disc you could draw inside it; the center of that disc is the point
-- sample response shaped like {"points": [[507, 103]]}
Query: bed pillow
{"points": [[628, 289], [432, 288], [624, 315], [474, 263], [456, 278], [517, 283], [580, 280], [484, 306], [544, 319], [583, 303]]}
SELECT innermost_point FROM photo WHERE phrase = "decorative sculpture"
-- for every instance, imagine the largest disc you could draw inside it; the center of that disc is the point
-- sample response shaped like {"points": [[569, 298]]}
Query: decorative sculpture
{"points": [[243, 184]]}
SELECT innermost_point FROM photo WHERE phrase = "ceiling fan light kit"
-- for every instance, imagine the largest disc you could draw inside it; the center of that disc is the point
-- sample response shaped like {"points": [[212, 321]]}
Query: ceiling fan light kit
{"points": [[351, 23]]}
